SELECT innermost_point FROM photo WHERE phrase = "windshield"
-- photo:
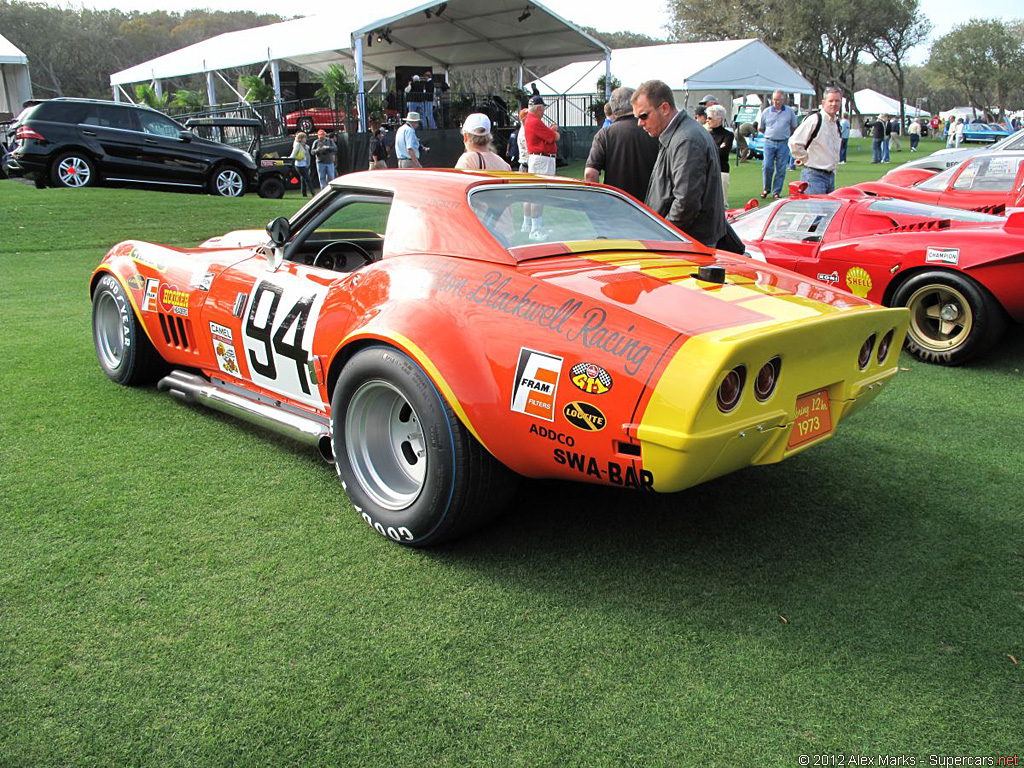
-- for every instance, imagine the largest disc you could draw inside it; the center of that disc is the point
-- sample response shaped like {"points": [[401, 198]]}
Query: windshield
{"points": [[750, 224], [907, 208], [567, 214], [1016, 141], [939, 181]]}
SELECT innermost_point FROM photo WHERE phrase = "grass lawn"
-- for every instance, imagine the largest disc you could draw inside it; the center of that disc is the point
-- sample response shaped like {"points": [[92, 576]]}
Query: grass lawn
{"points": [[177, 588]]}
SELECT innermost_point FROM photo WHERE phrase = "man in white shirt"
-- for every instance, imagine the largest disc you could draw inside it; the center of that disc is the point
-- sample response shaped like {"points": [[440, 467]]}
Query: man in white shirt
{"points": [[407, 144], [815, 145]]}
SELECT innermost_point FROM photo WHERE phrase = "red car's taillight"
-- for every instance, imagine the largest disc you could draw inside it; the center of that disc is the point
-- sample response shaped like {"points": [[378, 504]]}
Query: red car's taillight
{"points": [[24, 132]]}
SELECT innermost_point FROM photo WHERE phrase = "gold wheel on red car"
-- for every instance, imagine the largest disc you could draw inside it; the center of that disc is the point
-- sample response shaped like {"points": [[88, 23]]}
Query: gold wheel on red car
{"points": [[941, 318]]}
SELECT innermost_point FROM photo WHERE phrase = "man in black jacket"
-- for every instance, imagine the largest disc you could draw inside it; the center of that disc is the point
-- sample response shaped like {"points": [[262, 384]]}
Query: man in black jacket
{"points": [[623, 150]]}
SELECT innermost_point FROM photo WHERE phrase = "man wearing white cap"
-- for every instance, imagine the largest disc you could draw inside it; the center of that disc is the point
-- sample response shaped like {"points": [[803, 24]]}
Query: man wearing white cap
{"points": [[407, 145], [479, 155]]}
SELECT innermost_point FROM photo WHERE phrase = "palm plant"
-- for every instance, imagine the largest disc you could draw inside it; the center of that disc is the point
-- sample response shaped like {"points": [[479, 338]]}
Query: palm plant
{"points": [[190, 100], [257, 91], [334, 82], [146, 94]]}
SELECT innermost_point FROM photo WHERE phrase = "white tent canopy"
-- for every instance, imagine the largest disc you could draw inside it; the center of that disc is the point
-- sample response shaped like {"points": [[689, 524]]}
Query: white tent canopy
{"points": [[376, 37], [15, 83], [871, 102], [692, 70]]}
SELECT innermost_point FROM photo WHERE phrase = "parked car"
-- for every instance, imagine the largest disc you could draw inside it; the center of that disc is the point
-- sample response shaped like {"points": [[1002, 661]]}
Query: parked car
{"points": [[989, 181], [314, 118], [275, 174], [81, 142], [985, 132], [402, 322], [942, 159], [958, 272]]}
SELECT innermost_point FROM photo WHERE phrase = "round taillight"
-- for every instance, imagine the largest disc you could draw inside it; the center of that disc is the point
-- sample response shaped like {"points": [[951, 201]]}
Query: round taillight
{"points": [[883, 346], [864, 357], [767, 378], [730, 389]]}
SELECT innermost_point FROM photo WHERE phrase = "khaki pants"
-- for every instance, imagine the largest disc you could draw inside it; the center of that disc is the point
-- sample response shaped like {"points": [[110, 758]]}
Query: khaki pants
{"points": [[376, 165], [409, 163], [725, 188]]}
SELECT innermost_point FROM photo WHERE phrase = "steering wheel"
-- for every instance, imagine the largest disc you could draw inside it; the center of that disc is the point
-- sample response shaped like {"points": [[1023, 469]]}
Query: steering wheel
{"points": [[339, 262]]}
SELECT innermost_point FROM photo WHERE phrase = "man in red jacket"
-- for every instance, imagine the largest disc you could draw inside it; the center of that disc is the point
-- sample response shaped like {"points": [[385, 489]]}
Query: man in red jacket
{"points": [[542, 144]]}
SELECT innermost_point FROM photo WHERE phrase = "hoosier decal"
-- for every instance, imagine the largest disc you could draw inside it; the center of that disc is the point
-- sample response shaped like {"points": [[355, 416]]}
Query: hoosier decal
{"points": [[592, 379], [536, 384]]}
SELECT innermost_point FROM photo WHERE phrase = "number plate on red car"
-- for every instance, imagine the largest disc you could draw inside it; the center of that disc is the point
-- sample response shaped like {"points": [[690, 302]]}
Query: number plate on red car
{"points": [[813, 418]]}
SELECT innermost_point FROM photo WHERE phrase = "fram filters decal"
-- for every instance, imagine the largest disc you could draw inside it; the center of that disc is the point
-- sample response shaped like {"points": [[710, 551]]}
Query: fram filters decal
{"points": [[536, 384], [592, 379], [149, 299], [943, 256]]}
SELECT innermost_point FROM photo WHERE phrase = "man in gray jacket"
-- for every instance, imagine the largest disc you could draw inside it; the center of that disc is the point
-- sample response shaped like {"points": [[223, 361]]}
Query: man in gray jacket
{"points": [[686, 184]]}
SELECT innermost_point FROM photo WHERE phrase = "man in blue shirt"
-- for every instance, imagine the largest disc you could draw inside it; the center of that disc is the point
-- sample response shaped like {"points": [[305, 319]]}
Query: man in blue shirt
{"points": [[407, 144], [777, 123], [844, 136]]}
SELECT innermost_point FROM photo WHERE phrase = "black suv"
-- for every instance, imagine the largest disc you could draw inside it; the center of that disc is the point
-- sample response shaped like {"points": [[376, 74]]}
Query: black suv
{"points": [[82, 142]]}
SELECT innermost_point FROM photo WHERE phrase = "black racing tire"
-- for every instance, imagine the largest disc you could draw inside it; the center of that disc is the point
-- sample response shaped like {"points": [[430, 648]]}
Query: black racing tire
{"points": [[227, 181], [73, 170], [411, 469], [124, 350], [305, 124], [952, 318], [272, 187]]}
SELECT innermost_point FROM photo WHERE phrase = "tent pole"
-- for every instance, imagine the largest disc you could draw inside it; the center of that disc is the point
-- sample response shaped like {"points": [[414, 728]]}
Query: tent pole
{"points": [[607, 75], [158, 86], [275, 78], [211, 89], [357, 49]]}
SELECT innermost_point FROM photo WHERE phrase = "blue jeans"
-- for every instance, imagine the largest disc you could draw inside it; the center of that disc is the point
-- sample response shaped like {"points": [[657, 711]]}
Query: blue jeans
{"points": [[818, 182], [776, 161], [843, 143], [876, 150], [325, 172], [428, 115], [885, 150]]}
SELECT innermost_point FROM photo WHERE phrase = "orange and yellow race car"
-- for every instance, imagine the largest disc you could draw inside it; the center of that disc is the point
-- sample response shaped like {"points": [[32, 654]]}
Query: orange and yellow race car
{"points": [[434, 348]]}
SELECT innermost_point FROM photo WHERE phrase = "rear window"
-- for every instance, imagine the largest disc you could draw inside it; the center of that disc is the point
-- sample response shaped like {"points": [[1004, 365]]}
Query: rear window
{"points": [[60, 112]]}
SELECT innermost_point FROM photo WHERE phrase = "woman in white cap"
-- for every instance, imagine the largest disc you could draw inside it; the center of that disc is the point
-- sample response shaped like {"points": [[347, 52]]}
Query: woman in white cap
{"points": [[479, 155]]}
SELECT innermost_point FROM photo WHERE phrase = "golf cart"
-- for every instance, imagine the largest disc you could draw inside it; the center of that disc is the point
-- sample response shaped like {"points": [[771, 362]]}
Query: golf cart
{"points": [[275, 174]]}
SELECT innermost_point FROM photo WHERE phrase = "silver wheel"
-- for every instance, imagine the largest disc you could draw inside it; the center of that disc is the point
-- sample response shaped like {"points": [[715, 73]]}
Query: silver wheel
{"points": [[109, 331], [385, 446], [74, 171], [229, 183]]}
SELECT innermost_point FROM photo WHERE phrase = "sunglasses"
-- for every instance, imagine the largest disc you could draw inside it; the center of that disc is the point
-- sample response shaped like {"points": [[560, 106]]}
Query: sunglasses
{"points": [[643, 115]]}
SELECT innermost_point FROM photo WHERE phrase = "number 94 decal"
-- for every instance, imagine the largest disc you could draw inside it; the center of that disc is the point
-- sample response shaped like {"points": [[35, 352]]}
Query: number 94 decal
{"points": [[277, 345]]}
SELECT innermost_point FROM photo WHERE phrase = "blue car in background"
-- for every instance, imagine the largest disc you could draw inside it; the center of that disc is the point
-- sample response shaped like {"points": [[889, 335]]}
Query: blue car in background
{"points": [[985, 132], [756, 146]]}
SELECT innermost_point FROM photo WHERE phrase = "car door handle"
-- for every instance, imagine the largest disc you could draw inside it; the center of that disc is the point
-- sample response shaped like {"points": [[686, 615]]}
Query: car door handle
{"points": [[154, 142], [89, 133]]}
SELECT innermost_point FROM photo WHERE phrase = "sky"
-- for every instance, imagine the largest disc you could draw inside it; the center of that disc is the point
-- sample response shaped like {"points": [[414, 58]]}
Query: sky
{"points": [[644, 16]]}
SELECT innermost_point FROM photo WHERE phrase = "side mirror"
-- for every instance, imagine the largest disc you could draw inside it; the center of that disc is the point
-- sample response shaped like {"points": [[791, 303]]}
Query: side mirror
{"points": [[185, 136], [279, 230]]}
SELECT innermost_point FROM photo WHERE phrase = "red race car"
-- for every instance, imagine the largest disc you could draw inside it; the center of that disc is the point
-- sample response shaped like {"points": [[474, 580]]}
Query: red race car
{"points": [[989, 182], [404, 323], [961, 273]]}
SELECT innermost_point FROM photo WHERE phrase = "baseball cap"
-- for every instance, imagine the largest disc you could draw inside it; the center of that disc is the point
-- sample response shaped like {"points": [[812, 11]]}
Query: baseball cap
{"points": [[706, 99], [535, 100], [700, 111], [478, 124]]}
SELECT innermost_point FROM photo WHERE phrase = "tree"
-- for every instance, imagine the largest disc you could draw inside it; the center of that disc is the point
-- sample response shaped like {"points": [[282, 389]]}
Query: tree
{"points": [[257, 91], [146, 94], [190, 100], [984, 58], [333, 83], [907, 28]]}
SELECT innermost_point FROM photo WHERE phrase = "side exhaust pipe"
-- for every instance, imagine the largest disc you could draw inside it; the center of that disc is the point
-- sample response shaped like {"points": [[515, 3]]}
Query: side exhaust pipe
{"points": [[196, 390]]}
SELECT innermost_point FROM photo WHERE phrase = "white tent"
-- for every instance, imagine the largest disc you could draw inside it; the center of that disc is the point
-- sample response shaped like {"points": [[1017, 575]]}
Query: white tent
{"points": [[376, 37], [15, 84], [723, 69], [871, 103]]}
